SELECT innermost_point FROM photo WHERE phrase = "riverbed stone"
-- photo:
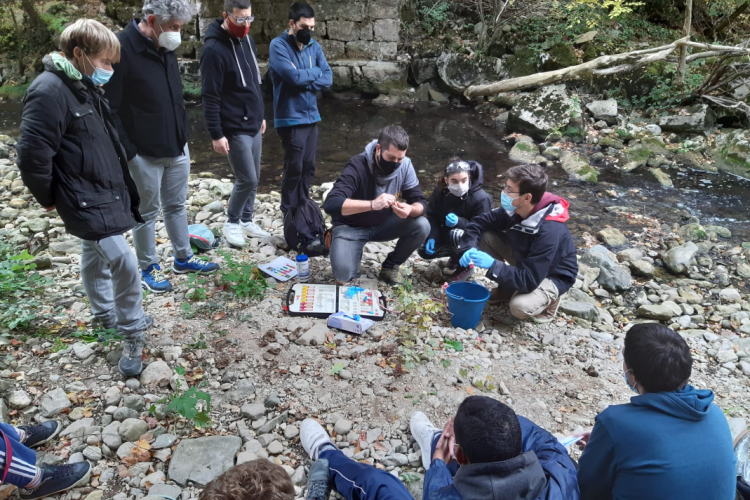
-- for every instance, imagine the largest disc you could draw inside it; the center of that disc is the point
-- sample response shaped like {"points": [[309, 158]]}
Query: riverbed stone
{"points": [[253, 411], [678, 259], [548, 109], [643, 268], [131, 429], [699, 118], [604, 110], [584, 310], [459, 71], [157, 374], [661, 177], [612, 237], [203, 459], [315, 336], [577, 167], [524, 152], [54, 402], [655, 311]]}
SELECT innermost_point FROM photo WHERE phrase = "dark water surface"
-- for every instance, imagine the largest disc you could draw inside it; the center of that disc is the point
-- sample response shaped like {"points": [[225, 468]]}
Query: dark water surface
{"points": [[438, 133]]}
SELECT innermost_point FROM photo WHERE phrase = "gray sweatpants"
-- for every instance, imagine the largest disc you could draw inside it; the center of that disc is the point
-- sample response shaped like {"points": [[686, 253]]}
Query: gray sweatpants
{"points": [[162, 183], [244, 158], [109, 271]]}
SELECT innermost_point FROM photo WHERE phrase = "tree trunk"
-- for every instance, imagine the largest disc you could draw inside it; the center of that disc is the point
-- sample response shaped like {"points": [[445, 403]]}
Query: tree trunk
{"points": [[680, 78], [724, 23]]}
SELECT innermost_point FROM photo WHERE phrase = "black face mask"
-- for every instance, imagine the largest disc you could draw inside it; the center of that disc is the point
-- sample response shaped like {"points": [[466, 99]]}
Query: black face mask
{"points": [[385, 168], [304, 36]]}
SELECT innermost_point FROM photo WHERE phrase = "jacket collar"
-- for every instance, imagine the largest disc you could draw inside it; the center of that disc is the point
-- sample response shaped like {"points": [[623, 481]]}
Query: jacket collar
{"points": [[139, 41], [520, 478]]}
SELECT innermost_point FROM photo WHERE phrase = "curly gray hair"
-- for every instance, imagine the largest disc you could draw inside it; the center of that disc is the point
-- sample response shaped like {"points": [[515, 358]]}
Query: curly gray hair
{"points": [[167, 10]]}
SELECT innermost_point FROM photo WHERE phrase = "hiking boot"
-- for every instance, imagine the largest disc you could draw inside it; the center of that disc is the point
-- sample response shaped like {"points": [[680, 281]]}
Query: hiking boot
{"points": [[58, 478], [452, 263], [35, 435], [548, 315], [461, 274], [423, 433], [131, 363], [319, 481], [153, 279], [253, 230], [313, 437], [234, 235], [390, 275], [194, 265]]}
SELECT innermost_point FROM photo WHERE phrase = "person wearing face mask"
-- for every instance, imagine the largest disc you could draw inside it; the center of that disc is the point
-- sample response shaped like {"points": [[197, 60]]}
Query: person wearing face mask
{"points": [[670, 441], [71, 159], [364, 205], [146, 96], [456, 200], [529, 233], [234, 111], [298, 71]]}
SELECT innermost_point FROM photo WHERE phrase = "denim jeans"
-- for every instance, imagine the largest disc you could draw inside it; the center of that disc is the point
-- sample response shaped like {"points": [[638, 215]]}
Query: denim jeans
{"points": [[244, 158], [356, 481], [348, 243], [110, 276], [162, 183]]}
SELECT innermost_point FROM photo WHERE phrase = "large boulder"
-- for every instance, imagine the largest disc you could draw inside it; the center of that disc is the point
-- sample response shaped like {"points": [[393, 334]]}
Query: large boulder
{"points": [[678, 259], [604, 110], [611, 277], [524, 152], [732, 152], [380, 77], [459, 72], [549, 109], [699, 118], [204, 459], [577, 166]]}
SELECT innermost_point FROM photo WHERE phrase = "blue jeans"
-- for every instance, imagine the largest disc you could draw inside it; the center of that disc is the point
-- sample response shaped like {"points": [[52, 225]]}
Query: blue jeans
{"points": [[22, 464], [356, 481]]}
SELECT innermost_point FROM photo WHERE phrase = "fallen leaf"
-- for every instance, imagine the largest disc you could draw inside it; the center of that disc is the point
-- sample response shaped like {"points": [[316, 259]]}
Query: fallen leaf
{"points": [[470, 390], [143, 444]]}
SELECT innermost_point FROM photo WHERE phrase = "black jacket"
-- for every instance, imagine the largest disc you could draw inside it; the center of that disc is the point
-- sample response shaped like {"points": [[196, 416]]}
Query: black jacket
{"points": [[476, 202], [70, 156], [542, 246], [145, 94], [231, 92]]}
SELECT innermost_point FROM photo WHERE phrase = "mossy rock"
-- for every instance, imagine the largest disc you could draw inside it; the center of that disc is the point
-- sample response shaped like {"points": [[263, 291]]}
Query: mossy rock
{"points": [[732, 153], [590, 52], [611, 142], [654, 144], [693, 232], [578, 168], [523, 63], [560, 56], [547, 111]]}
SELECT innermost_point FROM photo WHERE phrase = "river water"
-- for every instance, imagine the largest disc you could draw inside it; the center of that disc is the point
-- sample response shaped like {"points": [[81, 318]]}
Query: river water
{"points": [[438, 133]]}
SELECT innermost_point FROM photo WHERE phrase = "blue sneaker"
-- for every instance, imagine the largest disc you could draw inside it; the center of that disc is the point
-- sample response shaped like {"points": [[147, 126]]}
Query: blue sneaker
{"points": [[194, 265], [153, 279]]}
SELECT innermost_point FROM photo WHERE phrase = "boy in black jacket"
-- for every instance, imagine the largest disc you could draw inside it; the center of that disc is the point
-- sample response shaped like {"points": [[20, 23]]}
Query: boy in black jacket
{"points": [[457, 199], [529, 233]]}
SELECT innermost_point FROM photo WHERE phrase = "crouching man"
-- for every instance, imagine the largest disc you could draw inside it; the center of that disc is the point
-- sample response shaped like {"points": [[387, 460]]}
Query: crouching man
{"points": [[529, 233]]}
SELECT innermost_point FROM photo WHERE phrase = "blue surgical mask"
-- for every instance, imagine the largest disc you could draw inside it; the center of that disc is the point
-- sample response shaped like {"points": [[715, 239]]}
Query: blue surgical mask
{"points": [[100, 76], [507, 202], [632, 387]]}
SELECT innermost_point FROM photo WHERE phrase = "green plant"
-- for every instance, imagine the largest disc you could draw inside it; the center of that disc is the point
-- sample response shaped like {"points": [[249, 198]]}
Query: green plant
{"points": [[58, 345], [242, 276], [433, 17], [196, 283], [19, 285], [336, 369], [198, 343], [189, 405], [102, 336]]}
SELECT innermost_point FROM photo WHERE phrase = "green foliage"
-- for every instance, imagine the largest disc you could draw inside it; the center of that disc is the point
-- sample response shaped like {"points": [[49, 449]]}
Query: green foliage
{"points": [[58, 345], [336, 369], [196, 283], [457, 345], [55, 25], [190, 89], [189, 405], [445, 363], [242, 277], [433, 15], [19, 285], [102, 336], [613, 8], [198, 343], [663, 94]]}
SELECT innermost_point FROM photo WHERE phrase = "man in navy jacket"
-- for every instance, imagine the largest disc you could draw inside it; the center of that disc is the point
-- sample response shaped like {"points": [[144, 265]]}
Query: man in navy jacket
{"points": [[529, 233], [298, 70]]}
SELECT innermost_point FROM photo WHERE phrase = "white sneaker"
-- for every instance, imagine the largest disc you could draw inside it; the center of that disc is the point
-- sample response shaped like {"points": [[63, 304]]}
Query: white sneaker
{"points": [[423, 432], [233, 234], [253, 230], [312, 435]]}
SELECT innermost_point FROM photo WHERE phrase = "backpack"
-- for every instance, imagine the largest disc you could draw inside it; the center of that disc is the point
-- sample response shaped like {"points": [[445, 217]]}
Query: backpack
{"points": [[304, 229]]}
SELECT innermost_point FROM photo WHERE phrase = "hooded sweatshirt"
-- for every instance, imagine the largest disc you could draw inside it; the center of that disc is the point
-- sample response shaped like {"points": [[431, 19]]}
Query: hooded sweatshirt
{"points": [[442, 202], [661, 445], [231, 91], [542, 245], [359, 182]]}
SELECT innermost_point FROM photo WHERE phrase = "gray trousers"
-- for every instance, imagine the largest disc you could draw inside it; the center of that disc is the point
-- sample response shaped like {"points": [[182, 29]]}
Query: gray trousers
{"points": [[109, 271], [162, 183], [348, 242], [244, 158]]}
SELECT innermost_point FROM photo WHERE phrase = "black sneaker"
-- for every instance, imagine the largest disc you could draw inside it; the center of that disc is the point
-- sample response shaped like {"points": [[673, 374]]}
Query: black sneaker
{"points": [[461, 274], [319, 481], [58, 478], [131, 363], [40, 434]]}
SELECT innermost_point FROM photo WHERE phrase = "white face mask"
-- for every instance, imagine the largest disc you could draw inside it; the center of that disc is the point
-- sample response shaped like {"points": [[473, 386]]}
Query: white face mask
{"points": [[459, 189], [170, 40]]}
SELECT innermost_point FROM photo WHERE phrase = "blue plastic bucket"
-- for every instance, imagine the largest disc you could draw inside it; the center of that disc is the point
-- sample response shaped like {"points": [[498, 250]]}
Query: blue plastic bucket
{"points": [[466, 302]]}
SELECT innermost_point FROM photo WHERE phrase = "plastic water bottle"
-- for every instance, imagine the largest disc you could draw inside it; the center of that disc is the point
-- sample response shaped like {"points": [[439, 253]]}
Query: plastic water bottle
{"points": [[303, 268]]}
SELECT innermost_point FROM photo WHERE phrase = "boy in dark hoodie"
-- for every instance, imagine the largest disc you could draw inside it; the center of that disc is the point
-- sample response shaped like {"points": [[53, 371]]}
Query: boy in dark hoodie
{"points": [[457, 199], [529, 233], [502, 456], [670, 441]]}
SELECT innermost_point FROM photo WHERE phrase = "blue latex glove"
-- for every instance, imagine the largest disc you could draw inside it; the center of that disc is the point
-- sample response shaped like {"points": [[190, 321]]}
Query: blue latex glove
{"points": [[479, 259], [451, 220], [429, 248]]}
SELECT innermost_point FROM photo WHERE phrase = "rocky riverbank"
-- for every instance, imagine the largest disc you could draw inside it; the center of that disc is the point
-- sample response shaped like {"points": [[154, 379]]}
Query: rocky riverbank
{"points": [[265, 372]]}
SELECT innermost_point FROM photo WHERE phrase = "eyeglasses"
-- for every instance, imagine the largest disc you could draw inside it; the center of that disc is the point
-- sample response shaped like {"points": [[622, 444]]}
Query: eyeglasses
{"points": [[242, 20], [457, 166], [508, 191]]}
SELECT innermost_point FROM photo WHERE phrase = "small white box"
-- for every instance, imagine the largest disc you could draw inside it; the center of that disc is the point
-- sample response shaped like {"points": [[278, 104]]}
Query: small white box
{"points": [[352, 324]]}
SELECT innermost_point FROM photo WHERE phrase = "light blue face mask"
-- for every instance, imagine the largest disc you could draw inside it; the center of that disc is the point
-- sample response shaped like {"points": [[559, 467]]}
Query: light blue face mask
{"points": [[100, 76], [507, 202], [632, 387]]}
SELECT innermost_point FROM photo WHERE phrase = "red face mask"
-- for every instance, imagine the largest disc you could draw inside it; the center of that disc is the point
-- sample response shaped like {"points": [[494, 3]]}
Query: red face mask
{"points": [[237, 31]]}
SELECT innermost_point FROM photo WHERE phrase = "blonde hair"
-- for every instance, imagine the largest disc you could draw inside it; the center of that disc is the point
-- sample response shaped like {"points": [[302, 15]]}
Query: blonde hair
{"points": [[92, 37]]}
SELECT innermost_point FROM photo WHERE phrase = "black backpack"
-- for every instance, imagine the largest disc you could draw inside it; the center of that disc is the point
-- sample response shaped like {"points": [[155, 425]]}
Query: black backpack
{"points": [[304, 229]]}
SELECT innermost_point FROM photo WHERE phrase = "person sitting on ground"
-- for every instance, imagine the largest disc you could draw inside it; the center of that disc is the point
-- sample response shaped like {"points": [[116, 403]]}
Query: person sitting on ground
{"points": [[254, 480], [528, 232], [364, 206], [670, 441], [487, 451], [457, 199], [37, 482]]}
